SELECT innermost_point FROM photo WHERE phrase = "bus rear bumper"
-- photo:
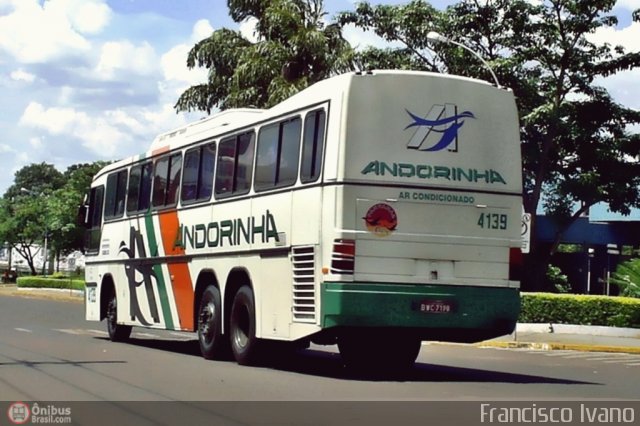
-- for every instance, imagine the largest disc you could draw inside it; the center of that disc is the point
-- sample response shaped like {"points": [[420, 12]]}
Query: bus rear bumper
{"points": [[433, 312]]}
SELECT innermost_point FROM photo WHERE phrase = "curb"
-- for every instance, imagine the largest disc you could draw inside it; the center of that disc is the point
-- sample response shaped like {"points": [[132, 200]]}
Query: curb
{"points": [[61, 291], [552, 346]]}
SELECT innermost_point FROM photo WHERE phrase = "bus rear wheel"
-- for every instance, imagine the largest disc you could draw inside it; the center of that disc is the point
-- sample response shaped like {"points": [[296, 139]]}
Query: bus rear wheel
{"points": [[117, 332], [212, 342], [245, 346]]}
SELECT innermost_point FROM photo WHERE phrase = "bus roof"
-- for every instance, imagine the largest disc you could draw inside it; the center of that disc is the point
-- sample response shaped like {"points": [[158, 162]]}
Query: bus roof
{"points": [[231, 119]]}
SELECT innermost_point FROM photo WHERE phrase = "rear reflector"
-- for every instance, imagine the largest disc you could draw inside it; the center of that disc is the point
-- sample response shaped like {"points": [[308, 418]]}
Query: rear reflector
{"points": [[343, 257], [516, 263]]}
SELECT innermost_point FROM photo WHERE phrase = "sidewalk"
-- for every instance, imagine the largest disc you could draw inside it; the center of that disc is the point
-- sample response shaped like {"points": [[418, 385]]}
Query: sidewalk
{"points": [[570, 337], [42, 293]]}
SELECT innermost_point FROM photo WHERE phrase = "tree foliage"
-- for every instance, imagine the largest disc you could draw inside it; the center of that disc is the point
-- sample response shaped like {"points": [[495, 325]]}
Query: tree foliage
{"points": [[627, 278], [577, 146], [43, 201], [294, 48], [576, 143]]}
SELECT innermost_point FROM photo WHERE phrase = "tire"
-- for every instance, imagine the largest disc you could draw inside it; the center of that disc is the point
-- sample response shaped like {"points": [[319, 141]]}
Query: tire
{"points": [[213, 344], [378, 353], [245, 346], [117, 332]]}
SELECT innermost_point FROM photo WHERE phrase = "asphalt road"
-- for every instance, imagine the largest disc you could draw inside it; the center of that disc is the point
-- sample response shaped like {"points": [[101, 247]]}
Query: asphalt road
{"points": [[48, 352]]}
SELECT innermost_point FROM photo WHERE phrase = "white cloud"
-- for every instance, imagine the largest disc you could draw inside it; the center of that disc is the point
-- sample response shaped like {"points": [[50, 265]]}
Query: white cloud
{"points": [[35, 142], [248, 29], [6, 149], [95, 133], [623, 85], [629, 4], [123, 56], [22, 75], [361, 39], [35, 33], [627, 37], [201, 30], [89, 17], [174, 61]]}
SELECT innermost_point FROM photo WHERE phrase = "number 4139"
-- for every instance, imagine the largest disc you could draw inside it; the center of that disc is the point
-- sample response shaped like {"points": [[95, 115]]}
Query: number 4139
{"points": [[492, 221]]}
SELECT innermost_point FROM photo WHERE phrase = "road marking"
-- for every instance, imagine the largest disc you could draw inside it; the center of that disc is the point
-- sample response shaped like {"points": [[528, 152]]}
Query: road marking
{"points": [[80, 331], [153, 336], [68, 331], [575, 356], [24, 330], [557, 353], [635, 364]]}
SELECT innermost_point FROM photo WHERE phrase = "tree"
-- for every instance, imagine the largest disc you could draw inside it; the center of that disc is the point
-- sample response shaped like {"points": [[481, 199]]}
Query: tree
{"points": [[42, 201], [294, 49], [627, 278], [576, 143], [24, 210], [67, 234]]}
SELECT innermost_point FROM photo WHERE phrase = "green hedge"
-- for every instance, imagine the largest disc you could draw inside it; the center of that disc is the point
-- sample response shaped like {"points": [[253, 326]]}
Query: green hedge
{"points": [[580, 310], [50, 282]]}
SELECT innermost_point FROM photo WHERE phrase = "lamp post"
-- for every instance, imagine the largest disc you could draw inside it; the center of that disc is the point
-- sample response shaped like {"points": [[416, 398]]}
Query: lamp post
{"points": [[435, 37], [46, 235]]}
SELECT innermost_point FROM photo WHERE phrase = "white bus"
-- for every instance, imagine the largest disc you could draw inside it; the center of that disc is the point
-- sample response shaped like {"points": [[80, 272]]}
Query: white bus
{"points": [[373, 210]]}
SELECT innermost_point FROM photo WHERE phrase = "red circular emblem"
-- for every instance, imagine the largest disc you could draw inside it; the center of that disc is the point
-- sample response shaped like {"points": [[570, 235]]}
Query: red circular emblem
{"points": [[381, 220]]}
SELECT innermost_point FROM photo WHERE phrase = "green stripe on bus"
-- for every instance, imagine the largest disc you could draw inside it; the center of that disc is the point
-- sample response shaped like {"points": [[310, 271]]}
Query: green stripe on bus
{"points": [[364, 304], [157, 269]]}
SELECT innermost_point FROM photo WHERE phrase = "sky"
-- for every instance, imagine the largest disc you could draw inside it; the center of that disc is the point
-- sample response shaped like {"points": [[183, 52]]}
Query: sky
{"points": [[88, 80]]}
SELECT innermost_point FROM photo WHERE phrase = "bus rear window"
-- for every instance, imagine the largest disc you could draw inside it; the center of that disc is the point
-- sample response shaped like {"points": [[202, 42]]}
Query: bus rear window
{"points": [[312, 146]]}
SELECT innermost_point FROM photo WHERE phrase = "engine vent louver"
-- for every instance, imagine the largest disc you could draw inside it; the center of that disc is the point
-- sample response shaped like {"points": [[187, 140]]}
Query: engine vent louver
{"points": [[304, 289]]}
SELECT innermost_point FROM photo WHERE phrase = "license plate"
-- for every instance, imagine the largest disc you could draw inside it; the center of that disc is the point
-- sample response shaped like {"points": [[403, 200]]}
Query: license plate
{"points": [[435, 306]]}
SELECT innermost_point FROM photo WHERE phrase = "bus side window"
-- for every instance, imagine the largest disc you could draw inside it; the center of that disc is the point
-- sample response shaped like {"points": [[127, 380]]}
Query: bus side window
{"points": [[134, 188], [278, 152], [244, 163], [174, 180], [197, 178], [189, 190], [144, 200], [312, 146], [139, 192], [166, 181], [94, 224], [116, 194], [235, 165]]}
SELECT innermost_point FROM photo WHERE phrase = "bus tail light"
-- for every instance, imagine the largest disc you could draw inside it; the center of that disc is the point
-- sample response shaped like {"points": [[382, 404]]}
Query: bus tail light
{"points": [[516, 264], [343, 257]]}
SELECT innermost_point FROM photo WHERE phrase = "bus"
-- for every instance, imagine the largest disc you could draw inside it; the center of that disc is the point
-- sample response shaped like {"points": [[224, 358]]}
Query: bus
{"points": [[372, 210]]}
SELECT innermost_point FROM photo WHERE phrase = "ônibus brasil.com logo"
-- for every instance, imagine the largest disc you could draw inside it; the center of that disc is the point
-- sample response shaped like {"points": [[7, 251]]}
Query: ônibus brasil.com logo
{"points": [[19, 413]]}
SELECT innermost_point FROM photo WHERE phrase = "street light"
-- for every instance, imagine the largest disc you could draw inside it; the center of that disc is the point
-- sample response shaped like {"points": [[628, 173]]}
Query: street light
{"points": [[435, 37], [46, 235]]}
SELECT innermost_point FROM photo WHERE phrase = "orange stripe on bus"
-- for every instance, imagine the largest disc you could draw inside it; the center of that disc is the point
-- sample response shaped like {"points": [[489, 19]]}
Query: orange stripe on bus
{"points": [[179, 272], [160, 150]]}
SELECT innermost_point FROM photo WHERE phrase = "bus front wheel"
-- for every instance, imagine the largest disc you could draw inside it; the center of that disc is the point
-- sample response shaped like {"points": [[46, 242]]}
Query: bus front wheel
{"points": [[242, 329], [210, 337], [117, 332]]}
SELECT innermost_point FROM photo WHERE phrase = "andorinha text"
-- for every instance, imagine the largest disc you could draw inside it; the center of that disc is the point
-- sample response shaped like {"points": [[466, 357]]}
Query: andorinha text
{"points": [[232, 232], [423, 171], [543, 414]]}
